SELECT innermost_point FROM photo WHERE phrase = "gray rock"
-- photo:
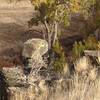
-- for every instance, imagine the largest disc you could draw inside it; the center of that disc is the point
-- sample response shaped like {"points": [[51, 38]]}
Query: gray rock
{"points": [[35, 48]]}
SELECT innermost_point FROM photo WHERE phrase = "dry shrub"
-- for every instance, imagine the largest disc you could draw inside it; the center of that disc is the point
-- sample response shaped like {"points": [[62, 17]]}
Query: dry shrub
{"points": [[81, 90], [82, 64], [90, 43], [84, 68]]}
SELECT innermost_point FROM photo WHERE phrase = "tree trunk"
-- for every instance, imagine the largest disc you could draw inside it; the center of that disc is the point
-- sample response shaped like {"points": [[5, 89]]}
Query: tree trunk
{"points": [[55, 29]]}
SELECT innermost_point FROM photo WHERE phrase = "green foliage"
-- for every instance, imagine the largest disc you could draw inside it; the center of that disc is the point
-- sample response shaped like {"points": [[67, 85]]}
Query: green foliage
{"points": [[89, 44], [57, 47], [51, 13], [60, 60], [47, 9], [82, 6], [64, 8], [78, 49]]}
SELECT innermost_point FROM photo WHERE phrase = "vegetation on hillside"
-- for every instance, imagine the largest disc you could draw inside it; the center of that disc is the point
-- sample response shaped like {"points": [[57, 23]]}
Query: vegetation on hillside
{"points": [[59, 79]]}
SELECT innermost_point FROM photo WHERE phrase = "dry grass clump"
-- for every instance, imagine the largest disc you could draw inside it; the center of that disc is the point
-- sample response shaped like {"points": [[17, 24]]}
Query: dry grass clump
{"points": [[84, 67], [80, 89], [82, 64], [93, 74]]}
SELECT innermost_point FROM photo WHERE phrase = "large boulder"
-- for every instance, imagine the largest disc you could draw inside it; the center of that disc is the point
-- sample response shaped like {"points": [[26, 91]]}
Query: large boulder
{"points": [[34, 48]]}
